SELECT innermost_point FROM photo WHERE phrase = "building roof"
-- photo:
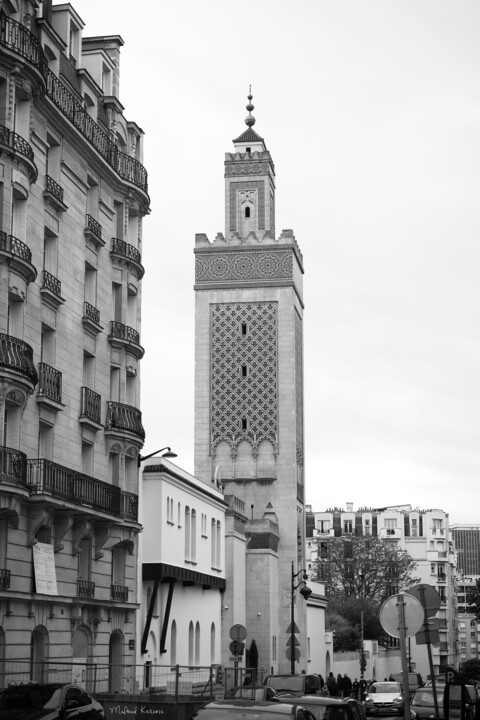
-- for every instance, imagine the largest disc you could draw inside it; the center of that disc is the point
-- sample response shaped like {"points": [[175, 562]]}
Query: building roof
{"points": [[249, 135]]}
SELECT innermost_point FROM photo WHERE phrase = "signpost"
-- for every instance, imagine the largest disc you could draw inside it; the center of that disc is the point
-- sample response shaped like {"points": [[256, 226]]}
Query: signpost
{"points": [[430, 602], [238, 633], [402, 616]]}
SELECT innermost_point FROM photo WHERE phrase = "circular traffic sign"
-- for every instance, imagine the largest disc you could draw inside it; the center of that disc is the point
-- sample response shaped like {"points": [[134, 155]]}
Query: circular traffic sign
{"points": [[296, 653], [428, 596], [413, 614], [238, 632]]}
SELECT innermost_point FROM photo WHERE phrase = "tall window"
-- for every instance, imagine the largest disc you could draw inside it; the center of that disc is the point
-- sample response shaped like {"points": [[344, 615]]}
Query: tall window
{"points": [[193, 536], [197, 643], [84, 560], [219, 545], [118, 565], [347, 526], [173, 643], [187, 533], [213, 544], [212, 644], [191, 645]]}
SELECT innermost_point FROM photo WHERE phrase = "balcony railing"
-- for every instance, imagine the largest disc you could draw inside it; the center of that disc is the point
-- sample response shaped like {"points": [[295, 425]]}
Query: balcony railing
{"points": [[11, 244], [93, 226], [91, 405], [47, 478], [129, 506], [18, 38], [17, 355], [4, 579], [16, 142], [13, 467], [91, 313], [124, 417], [85, 589], [130, 253], [50, 382], [54, 189], [119, 593], [128, 335], [50, 282]]}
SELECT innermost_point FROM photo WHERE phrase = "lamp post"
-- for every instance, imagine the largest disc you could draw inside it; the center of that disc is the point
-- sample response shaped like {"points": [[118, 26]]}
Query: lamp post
{"points": [[362, 652], [168, 454], [306, 592]]}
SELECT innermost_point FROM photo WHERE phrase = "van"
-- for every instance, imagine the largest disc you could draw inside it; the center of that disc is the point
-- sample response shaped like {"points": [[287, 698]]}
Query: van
{"points": [[414, 680]]}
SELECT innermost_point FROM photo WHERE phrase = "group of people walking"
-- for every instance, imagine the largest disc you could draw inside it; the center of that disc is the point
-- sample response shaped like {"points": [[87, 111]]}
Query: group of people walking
{"points": [[343, 687]]}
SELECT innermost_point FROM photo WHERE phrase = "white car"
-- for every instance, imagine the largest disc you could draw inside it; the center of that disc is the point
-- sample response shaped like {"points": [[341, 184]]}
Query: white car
{"points": [[384, 698]]}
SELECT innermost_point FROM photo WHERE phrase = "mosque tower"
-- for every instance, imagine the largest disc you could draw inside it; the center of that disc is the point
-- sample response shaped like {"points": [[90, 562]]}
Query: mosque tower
{"points": [[249, 433]]}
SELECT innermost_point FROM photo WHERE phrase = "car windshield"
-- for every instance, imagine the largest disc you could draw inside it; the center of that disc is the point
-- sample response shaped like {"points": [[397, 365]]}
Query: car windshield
{"points": [[385, 687], [286, 683], [29, 697]]}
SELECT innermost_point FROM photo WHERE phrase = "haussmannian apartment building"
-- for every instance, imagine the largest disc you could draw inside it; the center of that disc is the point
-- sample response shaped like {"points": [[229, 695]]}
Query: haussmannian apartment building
{"points": [[73, 192], [426, 536]]}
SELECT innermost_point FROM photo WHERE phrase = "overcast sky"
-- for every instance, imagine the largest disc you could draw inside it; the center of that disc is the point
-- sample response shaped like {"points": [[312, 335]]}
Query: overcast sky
{"points": [[371, 111]]}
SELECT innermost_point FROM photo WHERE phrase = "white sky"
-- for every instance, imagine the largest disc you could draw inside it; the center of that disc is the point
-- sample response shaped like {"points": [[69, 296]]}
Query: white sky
{"points": [[371, 111]]}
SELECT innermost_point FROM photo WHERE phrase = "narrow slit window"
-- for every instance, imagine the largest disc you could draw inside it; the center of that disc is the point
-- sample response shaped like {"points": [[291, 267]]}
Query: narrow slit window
{"points": [[243, 328], [247, 212], [243, 370], [244, 423]]}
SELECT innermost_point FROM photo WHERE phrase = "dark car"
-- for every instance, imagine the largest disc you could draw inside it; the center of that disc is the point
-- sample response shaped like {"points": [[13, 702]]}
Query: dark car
{"points": [[48, 701], [329, 708], [423, 702], [251, 710], [294, 685]]}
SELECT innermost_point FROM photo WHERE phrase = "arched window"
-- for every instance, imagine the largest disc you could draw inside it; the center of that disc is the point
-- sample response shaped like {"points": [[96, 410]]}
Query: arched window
{"points": [[197, 643], [247, 212], [213, 544], [219, 547], [193, 536], [38, 653], [190, 644]]}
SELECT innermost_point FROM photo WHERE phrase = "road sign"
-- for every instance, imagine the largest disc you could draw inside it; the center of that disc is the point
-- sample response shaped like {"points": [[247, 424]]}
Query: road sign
{"points": [[296, 653], [293, 641], [236, 647], [238, 632], [433, 636], [414, 615], [428, 596], [295, 629]]}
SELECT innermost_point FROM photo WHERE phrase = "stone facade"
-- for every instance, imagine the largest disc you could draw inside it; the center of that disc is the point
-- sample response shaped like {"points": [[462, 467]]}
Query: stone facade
{"points": [[73, 195], [249, 400]]}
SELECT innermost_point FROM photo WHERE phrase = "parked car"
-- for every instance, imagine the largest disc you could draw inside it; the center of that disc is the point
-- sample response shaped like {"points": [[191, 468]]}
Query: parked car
{"points": [[251, 692], [384, 698], [294, 685], [414, 680], [251, 710], [48, 701], [423, 702], [329, 708]]}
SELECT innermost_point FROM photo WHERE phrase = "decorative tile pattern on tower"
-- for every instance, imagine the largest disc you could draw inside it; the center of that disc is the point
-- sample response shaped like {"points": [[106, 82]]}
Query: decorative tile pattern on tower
{"points": [[243, 380], [249, 266]]}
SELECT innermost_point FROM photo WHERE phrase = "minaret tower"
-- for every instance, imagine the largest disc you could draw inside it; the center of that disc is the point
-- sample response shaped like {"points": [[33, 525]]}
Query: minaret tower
{"points": [[249, 397]]}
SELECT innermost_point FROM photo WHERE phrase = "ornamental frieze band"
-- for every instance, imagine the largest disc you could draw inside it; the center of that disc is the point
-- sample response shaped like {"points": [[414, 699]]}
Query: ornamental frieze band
{"points": [[221, 267], [246, 169]]}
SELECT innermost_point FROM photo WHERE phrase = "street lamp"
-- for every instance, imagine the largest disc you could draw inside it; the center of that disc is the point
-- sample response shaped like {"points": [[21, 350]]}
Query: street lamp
{"points": [[306, 592], [168, 454]]}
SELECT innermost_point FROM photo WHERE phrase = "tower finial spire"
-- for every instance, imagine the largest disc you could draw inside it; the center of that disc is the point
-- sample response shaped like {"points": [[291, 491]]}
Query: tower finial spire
{"points": [[250, 120]]}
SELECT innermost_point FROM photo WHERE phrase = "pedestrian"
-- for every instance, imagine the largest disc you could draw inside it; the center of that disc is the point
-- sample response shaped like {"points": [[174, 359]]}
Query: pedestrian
{"points": [[355, 688], [340, 685], [347, 686], [332, 685], [363, 689]]}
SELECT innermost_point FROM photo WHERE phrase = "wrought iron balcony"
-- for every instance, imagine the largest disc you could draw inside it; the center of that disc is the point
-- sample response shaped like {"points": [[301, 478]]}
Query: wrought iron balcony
{"points": [[50, 383], [19, 255], [85, 589], [91, 405], [129, 506], [119, 593], [17, 38], [51, 290], [93, 231], [127, 337], [124, 418], [18, 146], [13, 467], [47, 478], [53, 193], [91, 319], [128, 252], [4, 579], [16, 355]]}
